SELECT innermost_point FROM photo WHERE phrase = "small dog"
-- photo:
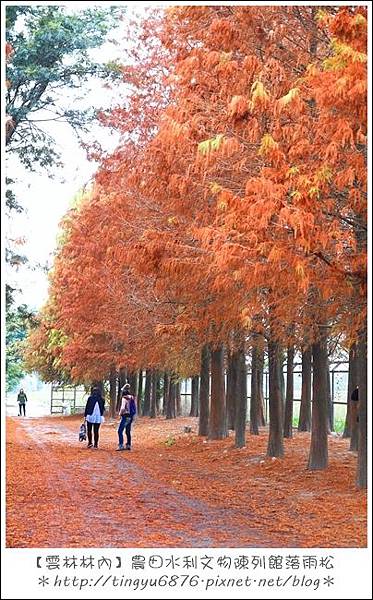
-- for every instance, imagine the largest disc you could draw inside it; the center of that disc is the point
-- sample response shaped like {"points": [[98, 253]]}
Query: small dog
{"points": [[82, 433]]}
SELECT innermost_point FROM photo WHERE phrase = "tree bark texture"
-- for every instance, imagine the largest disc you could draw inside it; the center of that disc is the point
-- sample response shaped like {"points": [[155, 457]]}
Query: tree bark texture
{"points": [[318, 457], [276, 418], [204, 395], [231, 395], [147, 392], [362, 475], [217, 420], [289, 398], [255, 414], [304, 423], [194, 401], [241, 399], [113, 392]]}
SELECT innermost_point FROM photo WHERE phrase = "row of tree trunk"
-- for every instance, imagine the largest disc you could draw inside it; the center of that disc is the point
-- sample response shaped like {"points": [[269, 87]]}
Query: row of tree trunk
{"points": [[220, 409], [227, 408], [150, 390]]}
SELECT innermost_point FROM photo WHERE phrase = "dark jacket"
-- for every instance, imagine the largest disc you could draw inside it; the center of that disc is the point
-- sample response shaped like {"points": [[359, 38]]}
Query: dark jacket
{"points": [[95, 397], [355, 395], [22, 398]]}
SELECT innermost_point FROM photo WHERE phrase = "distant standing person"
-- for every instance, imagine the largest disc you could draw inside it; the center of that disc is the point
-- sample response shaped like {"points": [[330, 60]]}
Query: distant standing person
{"points": [[127, 413], [355, 403], [94, 414], [21, 399]]}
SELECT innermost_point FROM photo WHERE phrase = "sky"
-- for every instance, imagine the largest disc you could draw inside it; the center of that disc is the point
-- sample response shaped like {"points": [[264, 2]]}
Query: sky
{"points": [[46, 200]]}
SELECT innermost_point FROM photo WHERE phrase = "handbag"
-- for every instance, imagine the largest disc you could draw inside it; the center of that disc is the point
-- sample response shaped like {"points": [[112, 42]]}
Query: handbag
{"points": [[82, 433]]}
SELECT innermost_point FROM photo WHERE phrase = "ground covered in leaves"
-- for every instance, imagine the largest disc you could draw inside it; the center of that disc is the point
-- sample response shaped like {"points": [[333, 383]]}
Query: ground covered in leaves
{"points": [[174, 489]]}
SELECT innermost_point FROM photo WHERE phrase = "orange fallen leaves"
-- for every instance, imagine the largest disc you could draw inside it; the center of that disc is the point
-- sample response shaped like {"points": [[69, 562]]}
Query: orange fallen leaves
{"points": [[196, 493]]}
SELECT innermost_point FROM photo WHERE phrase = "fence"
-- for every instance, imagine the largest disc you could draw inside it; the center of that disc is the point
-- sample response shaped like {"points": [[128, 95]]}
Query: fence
{"points": [[67, 399], [338, 386]]}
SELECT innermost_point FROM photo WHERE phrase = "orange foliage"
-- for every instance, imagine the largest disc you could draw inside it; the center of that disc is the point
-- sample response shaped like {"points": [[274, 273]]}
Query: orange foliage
{"points": [[240, 190]]}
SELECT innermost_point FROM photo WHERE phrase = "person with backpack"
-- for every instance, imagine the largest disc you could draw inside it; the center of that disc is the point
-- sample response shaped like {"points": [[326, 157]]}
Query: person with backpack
{"points": [[127, 413], [21, 399], [94, 415]]}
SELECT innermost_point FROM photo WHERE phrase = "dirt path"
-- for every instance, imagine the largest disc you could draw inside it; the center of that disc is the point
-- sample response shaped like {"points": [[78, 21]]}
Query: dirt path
{"points": [[175, 490], [103, 498]]}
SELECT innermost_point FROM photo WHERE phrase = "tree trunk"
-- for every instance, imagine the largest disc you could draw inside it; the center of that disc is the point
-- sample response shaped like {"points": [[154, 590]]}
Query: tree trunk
{"points": [[276, 418], [361, 368], [255, 415], [113, 392], [148, 383], [318, 458], [352, 382], [171, 397], [166, 392], [179, 408], [119, 397], [354, 439], [282, 380], [330, 402], [139, 394], [352, 406], [122, 381], [362, 477], [132, 380], [241, 398], [260, 375], [347, 426], [171, 404], [217, 421], [158, 394], [304, 423], [153, 395], [288, 421], [194, 397], [231, 388], [204, 395]]}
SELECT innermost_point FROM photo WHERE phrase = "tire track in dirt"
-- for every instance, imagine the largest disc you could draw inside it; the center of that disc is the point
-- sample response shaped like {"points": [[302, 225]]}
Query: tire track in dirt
{"points": [[115, 503]]}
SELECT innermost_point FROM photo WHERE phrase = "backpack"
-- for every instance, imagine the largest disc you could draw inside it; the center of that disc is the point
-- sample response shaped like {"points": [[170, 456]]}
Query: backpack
{"points": [[82, 433]]}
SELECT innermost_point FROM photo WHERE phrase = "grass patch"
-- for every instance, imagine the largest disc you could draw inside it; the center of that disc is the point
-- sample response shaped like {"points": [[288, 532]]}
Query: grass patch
{"points": [[170, 441]]}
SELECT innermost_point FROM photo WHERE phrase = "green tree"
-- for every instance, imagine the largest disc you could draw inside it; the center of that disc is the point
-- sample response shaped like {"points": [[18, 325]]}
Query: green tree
{"points": [[51, 54], [19, 321]]}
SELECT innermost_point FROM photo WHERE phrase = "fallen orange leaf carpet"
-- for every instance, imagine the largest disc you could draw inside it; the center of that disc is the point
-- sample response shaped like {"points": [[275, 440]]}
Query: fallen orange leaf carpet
{"points": [[175, 489]]}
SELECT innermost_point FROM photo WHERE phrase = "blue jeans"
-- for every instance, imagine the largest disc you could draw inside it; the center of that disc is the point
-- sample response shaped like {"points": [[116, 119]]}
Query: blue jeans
{"points": [[125, 423]]}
